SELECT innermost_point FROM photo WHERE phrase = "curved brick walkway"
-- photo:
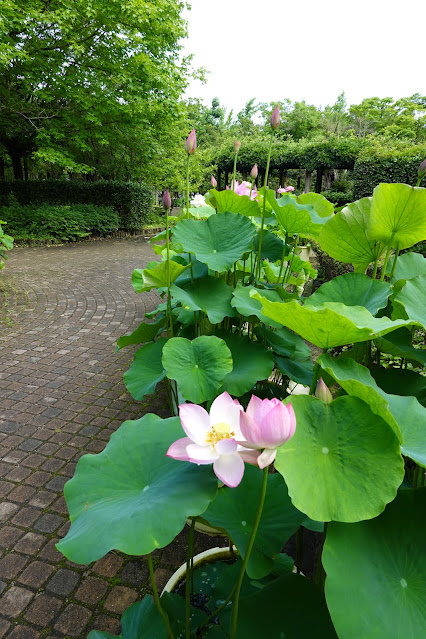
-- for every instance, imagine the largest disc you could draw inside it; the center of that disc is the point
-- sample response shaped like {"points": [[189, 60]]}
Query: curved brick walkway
{"points": [[61, 395]]}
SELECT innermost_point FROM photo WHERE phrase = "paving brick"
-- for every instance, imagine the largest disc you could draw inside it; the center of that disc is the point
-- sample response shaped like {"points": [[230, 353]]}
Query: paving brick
{"points": [[52, 465], [43, 609], [135, 572], [18, 474], [9, 535], [162, 575], [91, 590], [106, 623], [30, 543], [42, 499], [63, 582], [24, 632], [39, 478], [21, 493], [11, 565], [49, 552], [15, 600], [36, 574], [57, 483], [120, 598], [4, 627], [48, 523], [73, 620], [7, 509], [30, 444], [26, 517], [5, 488], [108, 566]]}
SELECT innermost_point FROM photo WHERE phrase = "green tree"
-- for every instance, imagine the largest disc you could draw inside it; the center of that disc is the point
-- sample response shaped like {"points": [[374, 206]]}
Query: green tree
{"points": [[77, 76]]}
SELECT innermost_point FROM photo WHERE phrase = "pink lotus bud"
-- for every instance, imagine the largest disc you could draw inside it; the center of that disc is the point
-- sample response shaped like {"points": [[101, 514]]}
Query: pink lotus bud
{"points": [[422, 169], [167, 201], [323, 393], [275, 118], [267, 424], [191, 143], [213, 182], [237, 146], [254, 172]]}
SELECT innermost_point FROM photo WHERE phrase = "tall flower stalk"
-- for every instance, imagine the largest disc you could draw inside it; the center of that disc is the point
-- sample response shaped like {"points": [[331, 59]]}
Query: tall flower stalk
{"points": [[275, 121]]}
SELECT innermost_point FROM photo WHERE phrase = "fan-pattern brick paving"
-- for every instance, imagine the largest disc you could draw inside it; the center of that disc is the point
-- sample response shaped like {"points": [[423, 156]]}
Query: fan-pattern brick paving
{"points": [[61, 396]]}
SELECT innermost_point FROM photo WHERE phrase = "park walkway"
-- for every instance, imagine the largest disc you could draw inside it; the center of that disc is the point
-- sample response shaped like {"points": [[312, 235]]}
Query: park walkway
{"points": [[61, 395]]}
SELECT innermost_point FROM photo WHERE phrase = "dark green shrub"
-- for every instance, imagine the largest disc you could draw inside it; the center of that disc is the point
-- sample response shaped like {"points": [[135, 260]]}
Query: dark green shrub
{"points": [[132, 201], [59, 223], [328, 268], [376, 165], [339, 198]]}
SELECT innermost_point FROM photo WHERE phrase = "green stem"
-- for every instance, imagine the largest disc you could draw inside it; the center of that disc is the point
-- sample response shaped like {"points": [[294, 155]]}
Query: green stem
{"points": [[187, 186], [234, 617], [317, 369], [418, 181], [265, 186], [382, 276], [394, 265], [282, 263], [289, 268], [169, 302], [157, 599], [188, 580], [235, 169]]}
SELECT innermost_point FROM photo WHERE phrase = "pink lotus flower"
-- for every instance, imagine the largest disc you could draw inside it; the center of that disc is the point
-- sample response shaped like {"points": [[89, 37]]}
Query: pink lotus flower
{"points": [[275, 118], [267, 424], [237, 145], [287, 189], [167, 201], [191, 143], [212, 439], [244, 189], [254, 172], [213, 181]]}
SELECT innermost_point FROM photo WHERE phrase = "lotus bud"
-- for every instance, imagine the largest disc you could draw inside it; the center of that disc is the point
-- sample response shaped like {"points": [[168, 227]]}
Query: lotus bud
{"points": [[275, 118], [254, 172], [422, 169], [237, 146], [191, 143], [213, 182], [323, 393], [167, 201]]}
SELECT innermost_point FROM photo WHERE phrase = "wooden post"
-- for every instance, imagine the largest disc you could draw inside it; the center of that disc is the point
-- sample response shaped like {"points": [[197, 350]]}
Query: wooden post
{"points": [[308, 181]]}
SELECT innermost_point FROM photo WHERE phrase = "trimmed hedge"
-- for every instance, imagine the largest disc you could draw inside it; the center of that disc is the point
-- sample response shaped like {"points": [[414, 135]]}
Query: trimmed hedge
{"points": [[132, 201], [386, 165], [59, 223]]}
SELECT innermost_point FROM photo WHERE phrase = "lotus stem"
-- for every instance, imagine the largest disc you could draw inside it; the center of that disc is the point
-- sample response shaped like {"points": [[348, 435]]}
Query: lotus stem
{"points": [[189, 557], [187, 186], [265, 185], [394, 265], [157, 598], [382, 276], [234, 617]]}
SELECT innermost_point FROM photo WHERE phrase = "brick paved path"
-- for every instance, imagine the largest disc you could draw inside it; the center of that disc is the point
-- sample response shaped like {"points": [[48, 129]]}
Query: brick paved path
{"points": [[61, 395]]}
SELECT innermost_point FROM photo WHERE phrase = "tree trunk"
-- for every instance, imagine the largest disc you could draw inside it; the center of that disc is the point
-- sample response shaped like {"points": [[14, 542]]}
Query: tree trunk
{"points": [[226, 179], [244, 174], [1, 169], [328, 179], [308, 181], [318, 182], [299, 179], [25, 168], [16, 156], [283, 178], [219, 179]]}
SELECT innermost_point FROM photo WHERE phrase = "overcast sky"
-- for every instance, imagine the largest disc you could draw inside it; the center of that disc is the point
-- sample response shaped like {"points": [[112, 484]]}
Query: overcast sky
{"points": [[307, 50]]}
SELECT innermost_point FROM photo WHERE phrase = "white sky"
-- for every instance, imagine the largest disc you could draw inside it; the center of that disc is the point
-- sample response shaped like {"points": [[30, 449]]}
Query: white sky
{"points": [[310, 50]]}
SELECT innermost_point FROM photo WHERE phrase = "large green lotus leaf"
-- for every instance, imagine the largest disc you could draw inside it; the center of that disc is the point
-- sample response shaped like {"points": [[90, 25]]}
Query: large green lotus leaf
{"points": [[198, 271], [272, 246], [322, 206], [251, 362], [200, 212], [131, 497], [398, 343], [146, 370], [343, 462], [198, 366], [405, 415], [376, 572], [353, 289], [211, 295], [356, 380], [154, 275], [408, 265], [300, 371], [141, 620], [329, 325], [413, 298], [248, 306], [344, 237], [284, 342], [228, 201], [293, 217], [284, 604], [144, 333], [235, 510], [219, 241], [398, 215], [400, 381]]}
